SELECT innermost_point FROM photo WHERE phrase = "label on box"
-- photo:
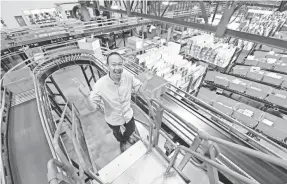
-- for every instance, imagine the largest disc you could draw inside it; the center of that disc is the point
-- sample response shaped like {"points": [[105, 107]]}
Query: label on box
{"points": [[236, 81], [267, 122], [280, 95], [271, 60], [271, 52], [248, 112], [223, 78], [251, 57], [254, 69], [257, 89], [274, 75], [224, 105]]}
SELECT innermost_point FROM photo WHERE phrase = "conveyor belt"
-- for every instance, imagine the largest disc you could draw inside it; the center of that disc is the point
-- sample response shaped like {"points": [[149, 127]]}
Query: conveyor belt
{"points": [[29, 151], [261, 171]]}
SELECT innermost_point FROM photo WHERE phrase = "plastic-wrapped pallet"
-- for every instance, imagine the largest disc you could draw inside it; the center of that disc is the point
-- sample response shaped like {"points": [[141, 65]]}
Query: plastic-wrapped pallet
{"points": [[258, 90], [278, 130], [248, 115], [284, 84], [255, 73], [222, 79], [278, 97], [251, 62], [224, 104], [239, 85], [280, 66], [273, 78], [267, 64], [240, 70]]}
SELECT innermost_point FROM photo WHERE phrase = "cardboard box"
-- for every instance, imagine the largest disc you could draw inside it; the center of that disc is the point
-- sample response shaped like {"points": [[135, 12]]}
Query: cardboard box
{"points": [[155, 87]]}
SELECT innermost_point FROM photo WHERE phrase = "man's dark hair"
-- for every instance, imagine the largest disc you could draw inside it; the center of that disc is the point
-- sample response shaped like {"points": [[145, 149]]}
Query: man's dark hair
{"points": [[112, 54]]}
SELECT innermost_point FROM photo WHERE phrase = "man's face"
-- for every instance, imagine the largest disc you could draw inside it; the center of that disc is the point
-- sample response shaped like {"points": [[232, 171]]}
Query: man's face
{"points": [[115, 66]]}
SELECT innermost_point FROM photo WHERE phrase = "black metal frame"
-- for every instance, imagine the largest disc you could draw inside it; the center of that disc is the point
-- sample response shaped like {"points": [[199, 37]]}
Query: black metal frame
{"points": [[88, 80]]}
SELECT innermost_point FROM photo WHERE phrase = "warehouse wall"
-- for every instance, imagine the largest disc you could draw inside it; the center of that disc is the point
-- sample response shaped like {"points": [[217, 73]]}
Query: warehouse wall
{"points": [[10, 9]]}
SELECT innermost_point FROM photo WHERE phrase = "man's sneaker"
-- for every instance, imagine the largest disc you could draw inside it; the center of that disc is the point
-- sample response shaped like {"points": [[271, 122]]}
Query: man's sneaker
{"points": [[123, 146]]}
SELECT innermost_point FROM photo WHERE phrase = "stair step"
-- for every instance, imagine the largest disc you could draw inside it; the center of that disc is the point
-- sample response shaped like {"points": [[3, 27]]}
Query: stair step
{"points": [[149, 169], [120, 164]]}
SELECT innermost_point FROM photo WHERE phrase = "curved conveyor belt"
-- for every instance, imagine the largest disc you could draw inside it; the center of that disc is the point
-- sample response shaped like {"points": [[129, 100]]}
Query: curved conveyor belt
{"points": [[28, 148]]}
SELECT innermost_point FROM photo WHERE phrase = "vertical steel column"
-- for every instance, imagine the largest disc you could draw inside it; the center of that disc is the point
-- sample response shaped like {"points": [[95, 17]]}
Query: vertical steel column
{"points": [[215, 11], [159, 3], [194, 146], [203, 11], [93, 75], [128, 8], [158, 120], [222, 26], [123, 35], [57, 87]]}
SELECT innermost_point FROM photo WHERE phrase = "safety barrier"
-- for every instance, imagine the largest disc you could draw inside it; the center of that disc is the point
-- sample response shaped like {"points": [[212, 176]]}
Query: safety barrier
{"points": [[211, 149]]}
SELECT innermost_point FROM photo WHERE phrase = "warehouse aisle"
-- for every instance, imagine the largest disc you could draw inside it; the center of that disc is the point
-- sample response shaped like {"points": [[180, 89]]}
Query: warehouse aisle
{"points": [[28, 148]]}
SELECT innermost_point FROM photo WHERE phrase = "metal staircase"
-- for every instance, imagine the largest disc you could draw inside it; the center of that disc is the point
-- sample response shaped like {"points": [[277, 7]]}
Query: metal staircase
{"points": [[144, 162]]}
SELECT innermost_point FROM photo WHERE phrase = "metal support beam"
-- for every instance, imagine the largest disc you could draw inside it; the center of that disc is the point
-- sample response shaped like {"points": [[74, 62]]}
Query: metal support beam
{"points": [[283, 6], [152, 7], [158, 8], [132, 4], [86, 78], [136, 6], [58, 89], [281, 44], [215, 11], [203, 11], [92, 72], [222, 26], [123, 37], [128, 8], [165, 9], [125, 4]]}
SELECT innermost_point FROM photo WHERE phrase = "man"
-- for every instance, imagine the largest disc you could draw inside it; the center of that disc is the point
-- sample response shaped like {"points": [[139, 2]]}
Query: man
{"points": [[115, 89]]}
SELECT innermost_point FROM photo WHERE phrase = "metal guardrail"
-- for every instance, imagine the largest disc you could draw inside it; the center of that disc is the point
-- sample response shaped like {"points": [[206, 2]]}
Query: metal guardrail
{"points": [[40, 70], [212, 151], [204, 107], [5, 172]]}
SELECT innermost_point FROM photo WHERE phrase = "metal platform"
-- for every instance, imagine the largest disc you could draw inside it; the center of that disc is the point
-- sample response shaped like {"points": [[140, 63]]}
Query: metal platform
{"points": [[149, 169]]}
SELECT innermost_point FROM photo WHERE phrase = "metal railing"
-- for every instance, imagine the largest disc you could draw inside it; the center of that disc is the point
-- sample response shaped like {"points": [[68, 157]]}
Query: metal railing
{"points": [[196, 102], [211, 150], [58, 59], [85, 165]]}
